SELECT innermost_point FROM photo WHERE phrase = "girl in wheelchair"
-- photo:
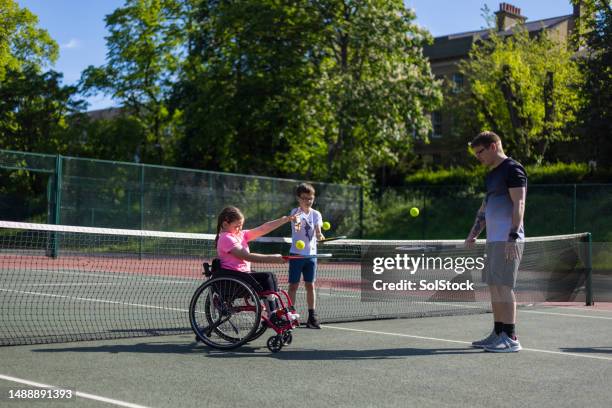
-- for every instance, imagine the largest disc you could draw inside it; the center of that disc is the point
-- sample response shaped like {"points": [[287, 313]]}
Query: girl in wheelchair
{"points": [[232, 244]]}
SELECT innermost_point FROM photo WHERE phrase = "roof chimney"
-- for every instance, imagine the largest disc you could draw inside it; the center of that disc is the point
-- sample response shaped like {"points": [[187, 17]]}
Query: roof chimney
{"points": [[508, 16]]}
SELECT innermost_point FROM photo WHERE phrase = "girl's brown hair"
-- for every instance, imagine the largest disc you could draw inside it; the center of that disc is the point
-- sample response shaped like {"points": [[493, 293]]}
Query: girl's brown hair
{"points": [[229, 215]]}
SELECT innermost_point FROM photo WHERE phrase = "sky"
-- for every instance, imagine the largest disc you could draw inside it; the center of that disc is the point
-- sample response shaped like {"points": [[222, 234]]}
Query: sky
{"points": [[79, 29]]}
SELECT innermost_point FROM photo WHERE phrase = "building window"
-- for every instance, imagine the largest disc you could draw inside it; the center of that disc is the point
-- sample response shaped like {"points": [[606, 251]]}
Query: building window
{"points": [[436, 122], [457, 82]]}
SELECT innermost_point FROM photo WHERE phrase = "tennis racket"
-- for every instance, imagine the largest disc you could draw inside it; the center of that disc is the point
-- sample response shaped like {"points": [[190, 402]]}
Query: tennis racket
{"points": [[317, 256], [322, 241]]}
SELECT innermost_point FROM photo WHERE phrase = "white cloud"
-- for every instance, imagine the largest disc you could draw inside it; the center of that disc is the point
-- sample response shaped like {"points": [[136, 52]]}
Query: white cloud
{"points": [[72, 44]]}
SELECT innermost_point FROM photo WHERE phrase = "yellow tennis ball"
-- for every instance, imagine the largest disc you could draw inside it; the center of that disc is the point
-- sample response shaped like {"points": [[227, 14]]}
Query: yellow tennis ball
{"points": [[414, 212], [300, 244], [326, 226]]}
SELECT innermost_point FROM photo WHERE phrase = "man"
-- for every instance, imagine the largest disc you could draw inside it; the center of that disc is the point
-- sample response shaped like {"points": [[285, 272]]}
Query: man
{"points": [[502, 214]]}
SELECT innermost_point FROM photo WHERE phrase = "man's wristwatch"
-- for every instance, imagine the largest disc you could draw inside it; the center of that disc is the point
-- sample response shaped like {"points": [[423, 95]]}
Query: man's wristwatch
{"points": [[513, 236]]}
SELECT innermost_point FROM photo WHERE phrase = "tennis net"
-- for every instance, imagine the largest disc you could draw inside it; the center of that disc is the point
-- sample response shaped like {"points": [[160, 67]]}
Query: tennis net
{"points": [[63, 283]]}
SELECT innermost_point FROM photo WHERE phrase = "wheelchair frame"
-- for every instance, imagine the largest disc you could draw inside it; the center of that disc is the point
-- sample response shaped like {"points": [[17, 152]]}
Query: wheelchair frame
{"points": [[231, 305]]}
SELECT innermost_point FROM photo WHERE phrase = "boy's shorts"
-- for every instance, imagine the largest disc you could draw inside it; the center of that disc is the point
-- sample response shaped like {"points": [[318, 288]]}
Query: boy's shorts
{"points": [[498, 270], [299, 267]]}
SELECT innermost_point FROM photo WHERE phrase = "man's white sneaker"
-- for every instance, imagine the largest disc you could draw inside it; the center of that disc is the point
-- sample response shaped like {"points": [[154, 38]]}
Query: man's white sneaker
{"points": [[490, 339], [504, 344]]}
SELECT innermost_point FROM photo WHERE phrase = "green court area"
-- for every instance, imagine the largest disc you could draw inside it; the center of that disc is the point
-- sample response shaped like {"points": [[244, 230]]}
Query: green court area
{"points": [[425, 362]]}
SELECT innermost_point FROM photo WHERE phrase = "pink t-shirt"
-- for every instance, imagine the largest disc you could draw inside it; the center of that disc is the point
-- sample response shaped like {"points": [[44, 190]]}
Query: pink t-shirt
{"points": [[227, 242]]}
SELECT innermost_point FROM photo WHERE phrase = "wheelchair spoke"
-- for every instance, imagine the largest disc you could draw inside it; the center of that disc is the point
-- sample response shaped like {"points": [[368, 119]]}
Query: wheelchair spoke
{"points": [[216, 324]]}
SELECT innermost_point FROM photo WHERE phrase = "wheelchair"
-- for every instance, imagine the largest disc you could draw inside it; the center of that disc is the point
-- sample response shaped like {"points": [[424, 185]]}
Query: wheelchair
{"points": [[230, 309]]}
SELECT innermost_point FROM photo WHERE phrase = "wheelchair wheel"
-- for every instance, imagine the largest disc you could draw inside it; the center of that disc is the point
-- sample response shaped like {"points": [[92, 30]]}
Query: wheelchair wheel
{"points": [[225, 313], [258, 333], [275, 343]]}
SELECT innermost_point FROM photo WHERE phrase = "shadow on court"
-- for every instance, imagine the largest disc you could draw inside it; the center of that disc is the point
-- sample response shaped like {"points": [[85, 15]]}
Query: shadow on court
{"points": [[287, 353], [599, 350]]}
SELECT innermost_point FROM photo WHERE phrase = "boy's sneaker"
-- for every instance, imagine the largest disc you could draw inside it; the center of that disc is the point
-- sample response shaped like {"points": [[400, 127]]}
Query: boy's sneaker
{"points": [[504, 344], [313, 322], [490, 339]]}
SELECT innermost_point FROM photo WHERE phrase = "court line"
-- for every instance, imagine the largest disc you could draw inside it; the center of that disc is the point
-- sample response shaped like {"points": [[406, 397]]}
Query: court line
{"points": [[562, 353], [113, 302], [77, 393], [322, 292], [584, 309], [565, 314], [112, 275], [69, 284]]}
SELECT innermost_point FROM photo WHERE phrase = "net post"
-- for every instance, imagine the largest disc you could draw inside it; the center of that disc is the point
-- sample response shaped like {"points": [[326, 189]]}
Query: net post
{"points": [[50, 199], [424, 216], [574, 204], [53, 248], [142, 192], [589, 270], [361, 211], [209, 197]]}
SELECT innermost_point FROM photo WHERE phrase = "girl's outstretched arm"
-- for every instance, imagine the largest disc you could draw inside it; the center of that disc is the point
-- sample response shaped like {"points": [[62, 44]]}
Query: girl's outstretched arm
{"points": [[269, 226]]}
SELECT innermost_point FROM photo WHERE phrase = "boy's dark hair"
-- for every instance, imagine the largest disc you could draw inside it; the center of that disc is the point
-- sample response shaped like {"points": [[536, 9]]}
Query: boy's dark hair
{"points": [[304, 188], [485, 139]]}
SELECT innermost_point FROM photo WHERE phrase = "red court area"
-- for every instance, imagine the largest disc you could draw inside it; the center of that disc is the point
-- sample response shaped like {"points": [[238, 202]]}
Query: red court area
{"points": [[149, 266], [331, 275]]}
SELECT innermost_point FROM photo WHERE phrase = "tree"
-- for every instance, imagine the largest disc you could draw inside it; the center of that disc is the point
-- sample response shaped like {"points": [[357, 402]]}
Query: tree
{"points": [[328, 90], [22, 43], [34, 105], [244, 82], [34, 111], [523, 88], [375, 90], [596, 66], [144, 48]]}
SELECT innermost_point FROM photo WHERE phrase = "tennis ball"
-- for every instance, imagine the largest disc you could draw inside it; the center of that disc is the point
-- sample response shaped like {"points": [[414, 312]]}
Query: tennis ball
{"points": [[414, 212], [326, 226], [300, 244]]}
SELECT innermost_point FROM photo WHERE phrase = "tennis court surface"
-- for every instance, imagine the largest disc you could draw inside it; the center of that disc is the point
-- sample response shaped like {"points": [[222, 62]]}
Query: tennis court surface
{"points": [[104, 314], [425, 362]]}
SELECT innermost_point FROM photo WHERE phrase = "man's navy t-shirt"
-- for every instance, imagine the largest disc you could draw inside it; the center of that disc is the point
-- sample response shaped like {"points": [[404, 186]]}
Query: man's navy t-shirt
{"points": [[508, 174]]}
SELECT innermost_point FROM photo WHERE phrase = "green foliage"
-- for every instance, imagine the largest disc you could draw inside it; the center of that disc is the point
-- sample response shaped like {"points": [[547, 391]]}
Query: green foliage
{"points": [[524, 89], [330, 89], [22, 43], [242, 83], [113, 139], [558, 173], [596, 66], [376, 87], [34, 111], [555, 173], [33, 104], [144, 46], [441, 217], [451, 176], [448, 212]]}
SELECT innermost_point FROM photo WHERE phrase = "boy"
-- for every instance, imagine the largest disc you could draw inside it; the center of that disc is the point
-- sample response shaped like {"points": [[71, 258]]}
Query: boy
{"points": [[306, 228]]}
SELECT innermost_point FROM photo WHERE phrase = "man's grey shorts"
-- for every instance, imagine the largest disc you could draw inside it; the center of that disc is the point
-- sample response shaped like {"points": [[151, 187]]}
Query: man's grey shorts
{"points": [[498, 270]]}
